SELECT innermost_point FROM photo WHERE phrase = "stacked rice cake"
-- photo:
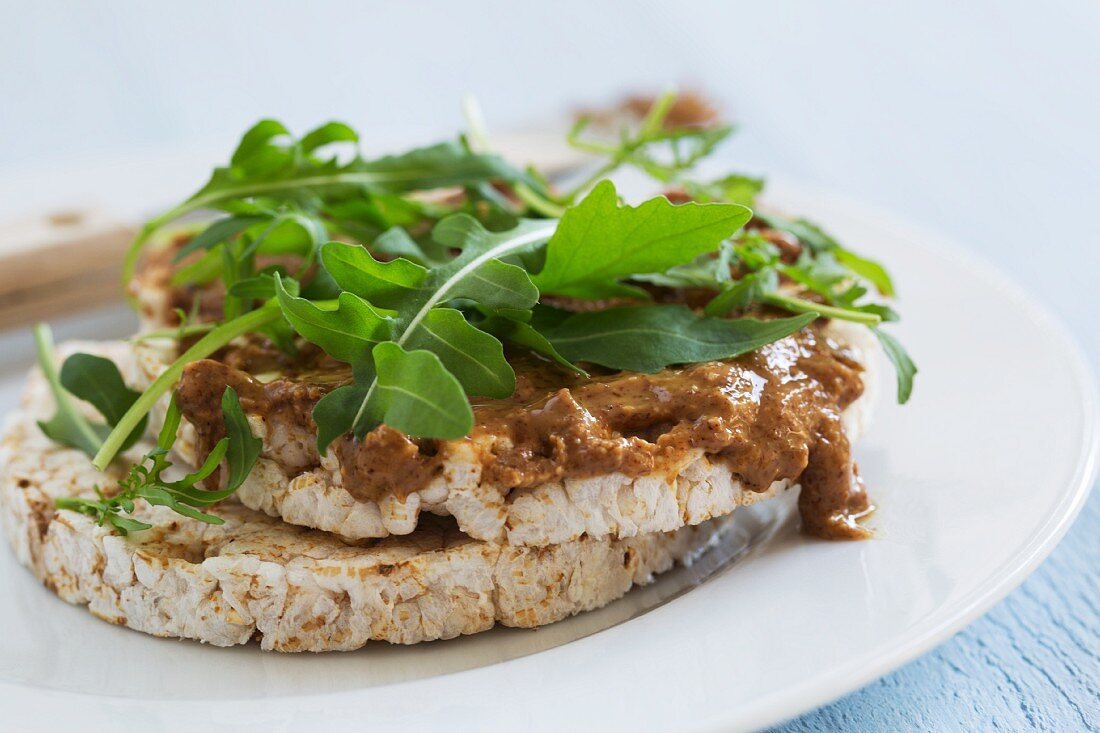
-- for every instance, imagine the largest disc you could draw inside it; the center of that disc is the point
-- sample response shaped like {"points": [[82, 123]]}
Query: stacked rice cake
{"points": [[293, 588], [521, 527]]}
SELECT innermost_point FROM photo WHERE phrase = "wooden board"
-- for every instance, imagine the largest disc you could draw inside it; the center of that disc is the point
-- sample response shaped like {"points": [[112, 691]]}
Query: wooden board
{"points": [[60, 263]]}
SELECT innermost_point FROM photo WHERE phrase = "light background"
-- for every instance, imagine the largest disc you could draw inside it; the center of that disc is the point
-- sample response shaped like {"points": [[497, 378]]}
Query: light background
{"points": [[978, 119]]}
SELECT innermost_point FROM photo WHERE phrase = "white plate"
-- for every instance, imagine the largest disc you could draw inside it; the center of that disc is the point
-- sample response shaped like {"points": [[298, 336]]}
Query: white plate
{"points": [[977, 479]]}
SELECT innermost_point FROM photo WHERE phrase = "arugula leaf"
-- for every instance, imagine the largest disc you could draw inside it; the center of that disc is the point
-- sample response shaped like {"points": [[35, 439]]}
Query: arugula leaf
{"points": [[68, 426], [97, 380], [335, 413], [326, 134], [662, 151], [820, 242], [705, 271], [414, 393], [90, 378], [257, 153], [144, 481], [262, 286], [473, 356], [749, 289], [651, 337], [525, 335], [385, 284], [598, 241], [396, 241], [288, 231], [348, 332], [217, 232], [734, 188], [243, 447], [684, 148], [869, 270], [903, 365], [492, 282]]}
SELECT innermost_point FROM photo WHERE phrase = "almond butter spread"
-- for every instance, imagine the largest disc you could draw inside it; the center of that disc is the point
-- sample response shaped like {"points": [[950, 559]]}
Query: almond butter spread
{"points": [[773, 414]]}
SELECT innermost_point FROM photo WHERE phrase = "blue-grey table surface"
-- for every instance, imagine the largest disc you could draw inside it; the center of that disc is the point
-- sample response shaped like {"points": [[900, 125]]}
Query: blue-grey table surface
{"points": [[980, 120]]}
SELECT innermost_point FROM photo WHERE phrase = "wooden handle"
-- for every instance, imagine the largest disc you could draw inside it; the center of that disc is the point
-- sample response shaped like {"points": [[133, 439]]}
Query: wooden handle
{"points": [[60, 263]]}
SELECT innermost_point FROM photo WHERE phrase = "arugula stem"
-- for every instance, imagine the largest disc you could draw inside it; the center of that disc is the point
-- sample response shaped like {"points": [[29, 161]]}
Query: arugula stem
{"points": [[539, 203], [203, 348], [475, 123], [129, 264], [178, 333], [479, 137], [43, 344], [650, 126], [657, 113], [797, 305]]}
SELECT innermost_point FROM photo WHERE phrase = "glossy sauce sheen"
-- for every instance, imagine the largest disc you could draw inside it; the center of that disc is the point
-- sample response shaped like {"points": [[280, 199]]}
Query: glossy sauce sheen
{"points": [[770, 415]]}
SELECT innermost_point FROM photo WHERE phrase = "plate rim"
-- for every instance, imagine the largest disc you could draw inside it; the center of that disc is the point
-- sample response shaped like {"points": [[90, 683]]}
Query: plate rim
{"points": [[1011, 573], [791, 701]]}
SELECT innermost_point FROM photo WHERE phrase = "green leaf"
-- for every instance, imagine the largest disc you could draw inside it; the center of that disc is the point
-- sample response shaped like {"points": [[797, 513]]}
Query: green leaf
{"points": [[819, 241], [202, 271], [244, 448], [435, 166], [493, 283], [739, 295], [415, 394], [903, 365], [213, 459], [474, 357], [321, 286], [289, 232], [166, 438], [650, 338], [262, 287], [348, 332], [335, 413], [665, 152], [385, 284], [820, 273], [869, 270], [366, 217], [706, 271], [219, 231], [668, 153], [734, 188], [808, 233], [97, 380], [598, 241], [326, 134], [87, 377], [68, 426], [125, 525], [524, 335], [397, 242], [256, 140]]}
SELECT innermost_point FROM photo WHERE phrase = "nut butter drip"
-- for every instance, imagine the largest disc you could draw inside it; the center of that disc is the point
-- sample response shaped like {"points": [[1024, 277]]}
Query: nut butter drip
{"points": [[770, 415]]}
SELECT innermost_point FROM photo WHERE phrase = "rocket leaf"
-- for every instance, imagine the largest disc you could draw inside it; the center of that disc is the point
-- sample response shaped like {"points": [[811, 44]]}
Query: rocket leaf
{"points": [[649, 338], [600, 241]]}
